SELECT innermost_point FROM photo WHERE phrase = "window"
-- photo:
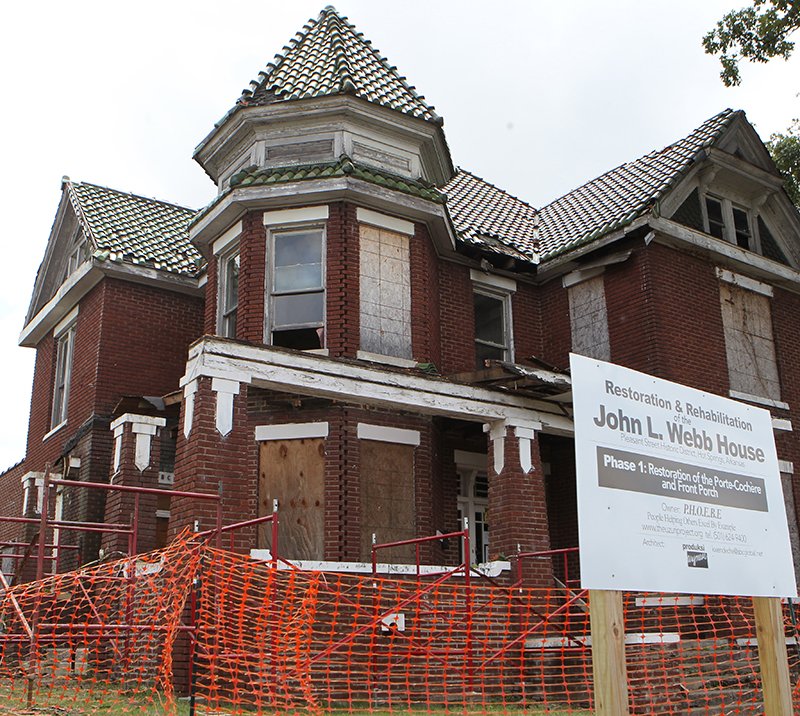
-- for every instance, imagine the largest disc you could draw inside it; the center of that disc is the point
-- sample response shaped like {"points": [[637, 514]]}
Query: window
{"points": [[729, 222], [296, 311], [385, 291], [65, 343], [588, 318], [749, 345], [228, 294], [78, 253], [492, 312]]}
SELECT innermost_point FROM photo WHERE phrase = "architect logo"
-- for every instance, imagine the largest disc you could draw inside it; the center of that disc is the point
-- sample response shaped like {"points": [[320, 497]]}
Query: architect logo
{"points": [[696, 555]]}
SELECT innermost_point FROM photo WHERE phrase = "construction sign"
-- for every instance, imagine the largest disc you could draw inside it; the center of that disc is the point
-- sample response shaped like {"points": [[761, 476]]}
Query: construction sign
{"points": [[678, 490]]}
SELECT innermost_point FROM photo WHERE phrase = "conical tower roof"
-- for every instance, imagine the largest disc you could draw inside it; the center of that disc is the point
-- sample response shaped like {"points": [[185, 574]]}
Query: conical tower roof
{"points": [[330, 57]]}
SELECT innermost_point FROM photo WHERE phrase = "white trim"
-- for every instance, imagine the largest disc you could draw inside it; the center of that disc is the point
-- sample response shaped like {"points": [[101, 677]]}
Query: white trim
{"points": [[668, 600], [384, 221], [476, 460], [65, 323], [141, 423], [753, 641], [786, 467], [296, 216], [489, 569], [225, 390], [398, 436], [291, 431], [501, 283], [782, 424], [745, 282], [162, 514], [273, 368], [54, 430], [189, 390], [575, 277], [631, 639], [738, 395], [227, 239], [386, 360]]}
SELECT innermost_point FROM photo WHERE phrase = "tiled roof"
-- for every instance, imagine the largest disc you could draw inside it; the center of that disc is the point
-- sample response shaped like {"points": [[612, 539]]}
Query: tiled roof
{"points": [[329, 57], [621, 195], [483, 214], [341, 168], [136, 229]]}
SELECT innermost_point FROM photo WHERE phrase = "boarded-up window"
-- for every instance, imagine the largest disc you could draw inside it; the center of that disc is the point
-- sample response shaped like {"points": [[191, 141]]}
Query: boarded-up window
{"points": [[293, 472], [385, 291], [589, 319], [747, 321], [387, 498]]}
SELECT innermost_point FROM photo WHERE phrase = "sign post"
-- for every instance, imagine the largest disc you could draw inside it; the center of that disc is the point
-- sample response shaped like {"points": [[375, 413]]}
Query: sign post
{"points": [[679, 491]]}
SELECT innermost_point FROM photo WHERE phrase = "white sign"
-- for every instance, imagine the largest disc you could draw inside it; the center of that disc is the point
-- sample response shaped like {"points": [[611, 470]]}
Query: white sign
{"points": [[678, 490]]}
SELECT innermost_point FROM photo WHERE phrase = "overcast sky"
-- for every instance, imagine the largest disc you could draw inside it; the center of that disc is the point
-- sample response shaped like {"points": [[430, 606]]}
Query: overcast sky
{"points": [[538, 97]]}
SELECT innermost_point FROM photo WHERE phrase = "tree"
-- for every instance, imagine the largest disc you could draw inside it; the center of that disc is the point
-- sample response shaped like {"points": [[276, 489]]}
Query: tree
{"points": [[785, 151], [756, 33]]}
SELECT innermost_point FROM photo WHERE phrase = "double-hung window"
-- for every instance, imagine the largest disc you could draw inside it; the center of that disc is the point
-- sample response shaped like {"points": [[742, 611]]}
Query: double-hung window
{"points": [[65, 344], [228, 293], [296, 311], [491, 305]]}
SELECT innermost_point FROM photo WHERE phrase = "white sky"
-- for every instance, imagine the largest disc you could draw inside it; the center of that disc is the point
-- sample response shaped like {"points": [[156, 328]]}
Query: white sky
{"points": [[538, 97]]}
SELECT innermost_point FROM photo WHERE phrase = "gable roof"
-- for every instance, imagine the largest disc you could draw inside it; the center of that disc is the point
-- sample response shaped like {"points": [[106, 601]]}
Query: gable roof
{"points": [[135, 229], [620, 196], [329, 57], [484, 215]]}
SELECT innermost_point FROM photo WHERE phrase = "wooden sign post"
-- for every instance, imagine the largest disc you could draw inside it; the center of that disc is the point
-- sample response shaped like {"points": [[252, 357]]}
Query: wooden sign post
{"points": [[608, 653], [772, 656]]}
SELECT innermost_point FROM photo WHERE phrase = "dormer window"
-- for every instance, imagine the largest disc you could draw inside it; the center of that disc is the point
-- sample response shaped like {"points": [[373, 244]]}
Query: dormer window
{"points": [[729, 222]]}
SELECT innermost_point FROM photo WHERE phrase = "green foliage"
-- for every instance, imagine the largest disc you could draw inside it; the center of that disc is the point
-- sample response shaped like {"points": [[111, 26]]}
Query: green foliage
{"points": [[756, 33], [785, 151]]}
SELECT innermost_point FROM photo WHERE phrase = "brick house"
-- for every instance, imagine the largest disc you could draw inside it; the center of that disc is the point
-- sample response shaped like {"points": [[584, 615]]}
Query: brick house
{"points": [[377, 339]]}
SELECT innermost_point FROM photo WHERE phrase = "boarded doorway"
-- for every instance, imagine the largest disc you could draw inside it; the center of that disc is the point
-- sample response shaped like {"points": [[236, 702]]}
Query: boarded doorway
{"points": [[293, 472], [387, 498]]}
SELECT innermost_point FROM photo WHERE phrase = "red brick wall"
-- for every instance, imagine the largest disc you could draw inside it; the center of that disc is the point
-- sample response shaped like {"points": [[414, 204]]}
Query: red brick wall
{"points": [[457, 319], [425, 299], [11, 500], [342, 324], [252, 272], [555, 339]]}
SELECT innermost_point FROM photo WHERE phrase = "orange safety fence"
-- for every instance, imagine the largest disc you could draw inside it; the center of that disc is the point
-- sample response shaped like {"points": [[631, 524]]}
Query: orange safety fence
{"points": [[282, 640]]}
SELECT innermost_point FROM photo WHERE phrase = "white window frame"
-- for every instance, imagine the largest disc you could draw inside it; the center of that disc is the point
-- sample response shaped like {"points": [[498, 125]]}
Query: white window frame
{"points": [[282, 230], [64, 336], [227, 314], [508, 332], [729, 225]]}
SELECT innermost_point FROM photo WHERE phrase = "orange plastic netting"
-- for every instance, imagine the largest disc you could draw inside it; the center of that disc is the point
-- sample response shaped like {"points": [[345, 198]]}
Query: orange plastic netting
{"points": [[117, 636]]}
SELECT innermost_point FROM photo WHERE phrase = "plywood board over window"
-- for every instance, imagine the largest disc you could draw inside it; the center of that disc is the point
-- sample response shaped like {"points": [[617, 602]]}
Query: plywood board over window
{"points": [[747, 322], [385, 289], [387, 498], [293, 472], [588, 318]]}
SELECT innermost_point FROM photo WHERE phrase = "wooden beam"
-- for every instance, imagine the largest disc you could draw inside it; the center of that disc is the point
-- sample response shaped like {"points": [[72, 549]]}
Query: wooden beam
{"points": [[609, 669], [772, 656]]}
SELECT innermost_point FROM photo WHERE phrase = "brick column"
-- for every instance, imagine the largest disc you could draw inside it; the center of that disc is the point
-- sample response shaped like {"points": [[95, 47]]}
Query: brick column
{"points": [[135, 464], [517, 506], [216, 452]]}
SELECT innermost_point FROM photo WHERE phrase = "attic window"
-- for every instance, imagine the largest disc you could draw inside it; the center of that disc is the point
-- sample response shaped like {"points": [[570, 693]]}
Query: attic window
{"points": [[78, 253], [729, 222]]}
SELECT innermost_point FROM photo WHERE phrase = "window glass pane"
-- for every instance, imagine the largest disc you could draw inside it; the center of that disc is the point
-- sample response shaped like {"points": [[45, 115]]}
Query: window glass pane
{"points": [[302, 309], [489, 319], [742, 227], [231, 282], [716, 224], [299, 277], [300, 248]]}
